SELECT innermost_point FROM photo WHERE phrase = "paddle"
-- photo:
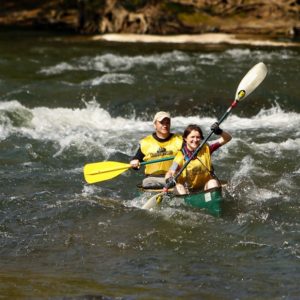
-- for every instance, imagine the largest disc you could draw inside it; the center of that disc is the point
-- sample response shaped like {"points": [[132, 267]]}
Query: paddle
{"points": [[247, 85], [101, 171]]}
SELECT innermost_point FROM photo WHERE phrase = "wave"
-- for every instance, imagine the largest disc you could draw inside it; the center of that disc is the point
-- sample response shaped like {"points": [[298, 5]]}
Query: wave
{"points": [[94, 125], [272, 118], [110, 79], [118, 63], [115, 63]]}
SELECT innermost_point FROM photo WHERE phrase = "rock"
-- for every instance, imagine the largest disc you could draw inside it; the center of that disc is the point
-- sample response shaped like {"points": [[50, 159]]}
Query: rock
{"points": [[160, 17]]}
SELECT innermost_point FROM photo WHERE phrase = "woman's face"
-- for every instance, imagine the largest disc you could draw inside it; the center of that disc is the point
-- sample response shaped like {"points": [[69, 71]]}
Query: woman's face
{"points": [[193, 140]]}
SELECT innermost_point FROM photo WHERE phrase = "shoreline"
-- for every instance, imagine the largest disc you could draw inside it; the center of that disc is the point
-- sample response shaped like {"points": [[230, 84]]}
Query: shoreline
{"points": [[205, 39]]}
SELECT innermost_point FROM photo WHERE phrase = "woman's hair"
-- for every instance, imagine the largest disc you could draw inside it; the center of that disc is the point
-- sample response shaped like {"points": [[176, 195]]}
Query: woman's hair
{"points": [[190, 128]]}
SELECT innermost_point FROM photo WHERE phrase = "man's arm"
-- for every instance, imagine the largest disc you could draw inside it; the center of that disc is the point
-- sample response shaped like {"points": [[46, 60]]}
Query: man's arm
{"points": [[137, 158]]}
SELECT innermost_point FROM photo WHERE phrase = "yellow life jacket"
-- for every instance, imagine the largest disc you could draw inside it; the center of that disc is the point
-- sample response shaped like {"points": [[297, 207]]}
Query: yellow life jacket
{"points": [[197, 172], [154, 149]]}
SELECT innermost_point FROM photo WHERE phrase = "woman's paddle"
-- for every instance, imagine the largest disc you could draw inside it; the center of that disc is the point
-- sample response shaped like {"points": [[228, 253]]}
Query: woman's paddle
{"points": [[247, 85], [101, 171]]}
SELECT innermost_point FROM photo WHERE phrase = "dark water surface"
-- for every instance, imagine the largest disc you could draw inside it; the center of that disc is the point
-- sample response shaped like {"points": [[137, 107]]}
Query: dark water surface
{"points": [[65, 102]]}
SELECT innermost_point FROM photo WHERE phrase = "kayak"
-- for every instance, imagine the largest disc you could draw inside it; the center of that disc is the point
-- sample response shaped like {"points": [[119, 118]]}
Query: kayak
{"points": [[210, 201]]}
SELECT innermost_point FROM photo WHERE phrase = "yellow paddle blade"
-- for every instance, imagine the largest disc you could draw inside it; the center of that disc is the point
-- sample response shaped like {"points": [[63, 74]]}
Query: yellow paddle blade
{"points": [[153, 201], [96, 172]]}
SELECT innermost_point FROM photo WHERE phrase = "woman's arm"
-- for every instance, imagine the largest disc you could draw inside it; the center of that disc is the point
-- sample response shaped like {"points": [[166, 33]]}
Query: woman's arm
{"points": [[225, 137], [171, 171]]}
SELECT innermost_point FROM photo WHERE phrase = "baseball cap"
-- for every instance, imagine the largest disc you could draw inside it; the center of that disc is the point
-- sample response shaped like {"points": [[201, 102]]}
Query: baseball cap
{"points": [[160, 116]]}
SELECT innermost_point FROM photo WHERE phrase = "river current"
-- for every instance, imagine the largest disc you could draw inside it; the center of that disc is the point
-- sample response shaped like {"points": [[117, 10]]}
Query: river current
{"points": [[66, 101]]}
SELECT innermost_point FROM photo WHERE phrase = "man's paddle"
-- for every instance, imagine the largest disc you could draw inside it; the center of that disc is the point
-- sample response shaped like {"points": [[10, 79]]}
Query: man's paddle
{"points": [[96, 172], [247, 85]]}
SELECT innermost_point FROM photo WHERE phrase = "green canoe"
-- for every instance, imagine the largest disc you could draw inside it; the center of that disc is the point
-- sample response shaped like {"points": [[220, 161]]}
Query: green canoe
{"points": [[210, 201]]}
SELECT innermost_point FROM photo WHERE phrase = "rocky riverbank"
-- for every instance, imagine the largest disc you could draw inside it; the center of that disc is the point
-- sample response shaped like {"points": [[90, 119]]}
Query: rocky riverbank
{"points": [[280, 18]]}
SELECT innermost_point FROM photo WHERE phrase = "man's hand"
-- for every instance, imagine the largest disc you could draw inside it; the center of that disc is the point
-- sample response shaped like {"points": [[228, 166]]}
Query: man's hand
{"points": [[135, 164]]}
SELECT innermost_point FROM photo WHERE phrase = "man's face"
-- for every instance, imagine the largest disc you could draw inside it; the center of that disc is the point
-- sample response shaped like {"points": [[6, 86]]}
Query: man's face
{"points": [[163, 127]]}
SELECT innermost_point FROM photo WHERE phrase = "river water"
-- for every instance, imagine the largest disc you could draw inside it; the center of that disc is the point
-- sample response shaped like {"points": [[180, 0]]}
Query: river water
{"points": [[66, 101]]}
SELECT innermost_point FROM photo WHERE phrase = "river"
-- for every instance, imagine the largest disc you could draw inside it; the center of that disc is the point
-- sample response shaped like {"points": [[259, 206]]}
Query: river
{"points": [[67, 101]]}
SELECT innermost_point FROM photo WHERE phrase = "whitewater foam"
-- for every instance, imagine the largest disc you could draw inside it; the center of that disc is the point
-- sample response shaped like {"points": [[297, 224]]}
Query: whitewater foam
{"points": [[94, 125]]}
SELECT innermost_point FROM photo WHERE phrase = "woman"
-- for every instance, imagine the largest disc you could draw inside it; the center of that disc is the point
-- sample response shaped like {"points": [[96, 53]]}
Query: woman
{"points": [[198, 175]]}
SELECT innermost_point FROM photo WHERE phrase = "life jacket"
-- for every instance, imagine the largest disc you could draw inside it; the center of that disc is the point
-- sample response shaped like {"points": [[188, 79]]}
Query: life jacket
{"points": [[198, 171], [154, 149]]}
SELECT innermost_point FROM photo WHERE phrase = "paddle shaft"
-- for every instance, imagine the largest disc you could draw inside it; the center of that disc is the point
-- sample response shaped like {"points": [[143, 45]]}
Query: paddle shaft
{"points": [[233, 104], [156, 160], [128, 166]]}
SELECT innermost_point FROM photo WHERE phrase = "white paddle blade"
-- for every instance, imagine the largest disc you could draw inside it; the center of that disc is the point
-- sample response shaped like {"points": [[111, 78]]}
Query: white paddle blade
{"points": [[153, 201], [251, 81]]}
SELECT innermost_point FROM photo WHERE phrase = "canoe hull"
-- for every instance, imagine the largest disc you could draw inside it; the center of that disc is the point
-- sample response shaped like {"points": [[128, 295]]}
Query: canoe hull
{"points": [[211, 201]]}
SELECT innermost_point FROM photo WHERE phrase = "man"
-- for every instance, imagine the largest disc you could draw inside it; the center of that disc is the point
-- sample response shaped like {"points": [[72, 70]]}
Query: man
{"points": [[160, 144]]}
